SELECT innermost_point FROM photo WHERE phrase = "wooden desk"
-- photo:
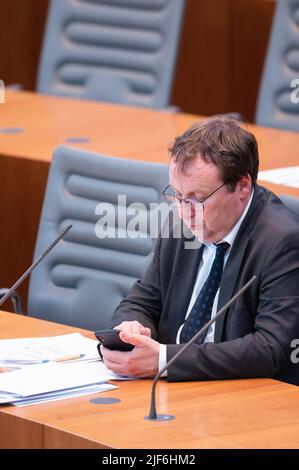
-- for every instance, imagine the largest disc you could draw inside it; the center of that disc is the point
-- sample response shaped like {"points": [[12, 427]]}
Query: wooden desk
{"points": [[46, 122], [255, 413]]}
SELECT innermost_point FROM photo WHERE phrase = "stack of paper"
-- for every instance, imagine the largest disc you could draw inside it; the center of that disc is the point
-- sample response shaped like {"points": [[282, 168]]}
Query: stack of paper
{"points": [[50, 381], [23, 351], [35, 370]]}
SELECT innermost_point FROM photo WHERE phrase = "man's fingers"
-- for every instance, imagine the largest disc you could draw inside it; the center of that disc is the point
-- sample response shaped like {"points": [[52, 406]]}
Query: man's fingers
{"points": [[136, 329], [135, 339], [142, 361], [131, 327], [117, 357], [145, 331]]}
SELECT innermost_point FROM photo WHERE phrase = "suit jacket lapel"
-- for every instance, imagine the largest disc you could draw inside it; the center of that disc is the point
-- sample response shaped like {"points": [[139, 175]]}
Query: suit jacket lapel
{"points": [[233, 265], [229, 279]]}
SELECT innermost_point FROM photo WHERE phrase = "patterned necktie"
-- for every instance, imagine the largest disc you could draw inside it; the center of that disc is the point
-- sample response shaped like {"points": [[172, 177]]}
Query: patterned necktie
{"points": [[202, 308]]}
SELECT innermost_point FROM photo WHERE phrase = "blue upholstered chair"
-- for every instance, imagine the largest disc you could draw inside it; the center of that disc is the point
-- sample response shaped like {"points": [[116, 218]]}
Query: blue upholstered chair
{"points": [[291, 202], [278, 103], [120, 51], [84, 278]]}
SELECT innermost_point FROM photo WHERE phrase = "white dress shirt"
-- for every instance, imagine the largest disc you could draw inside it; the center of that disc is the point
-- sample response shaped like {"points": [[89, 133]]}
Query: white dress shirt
{"points": [[205, 265]]}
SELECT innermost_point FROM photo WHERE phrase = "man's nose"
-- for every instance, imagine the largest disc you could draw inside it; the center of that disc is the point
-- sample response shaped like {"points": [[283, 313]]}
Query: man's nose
{"points": [[185, 209]]}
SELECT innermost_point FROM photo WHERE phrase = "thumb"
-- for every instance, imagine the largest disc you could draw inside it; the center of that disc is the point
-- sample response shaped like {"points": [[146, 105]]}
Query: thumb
{"points": [[135, 339]]}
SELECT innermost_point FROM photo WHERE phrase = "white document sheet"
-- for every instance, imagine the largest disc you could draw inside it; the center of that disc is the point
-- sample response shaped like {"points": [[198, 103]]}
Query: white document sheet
{"points": [[70, 393], [52, 376], [22, 351], [288, 176]]}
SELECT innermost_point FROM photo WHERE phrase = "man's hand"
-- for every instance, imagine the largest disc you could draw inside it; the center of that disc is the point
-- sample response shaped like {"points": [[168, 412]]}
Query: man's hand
{"points": [[134, 327], [142, 361]]}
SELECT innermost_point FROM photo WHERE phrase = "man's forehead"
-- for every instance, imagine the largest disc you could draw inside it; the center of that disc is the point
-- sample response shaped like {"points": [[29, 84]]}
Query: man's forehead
{"points": [[196, 169]]}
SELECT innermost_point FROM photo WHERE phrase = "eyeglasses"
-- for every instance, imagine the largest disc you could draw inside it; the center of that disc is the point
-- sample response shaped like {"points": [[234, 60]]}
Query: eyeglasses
{"points": [[173, 198]]}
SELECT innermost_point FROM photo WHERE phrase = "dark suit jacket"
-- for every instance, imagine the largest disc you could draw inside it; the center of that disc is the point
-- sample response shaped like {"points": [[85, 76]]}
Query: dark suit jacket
{"points": [[252, 339]]}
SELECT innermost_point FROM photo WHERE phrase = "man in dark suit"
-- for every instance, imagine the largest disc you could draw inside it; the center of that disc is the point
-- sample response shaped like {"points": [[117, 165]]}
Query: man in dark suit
{"points": [[246, 231]]}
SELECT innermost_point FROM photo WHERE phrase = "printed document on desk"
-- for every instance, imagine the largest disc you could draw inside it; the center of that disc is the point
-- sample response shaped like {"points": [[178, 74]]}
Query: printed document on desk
{"points": [[34, 370], [59, 395], [50, 381], [288, 176], [23, 351], [53, 396], [50, 377]]}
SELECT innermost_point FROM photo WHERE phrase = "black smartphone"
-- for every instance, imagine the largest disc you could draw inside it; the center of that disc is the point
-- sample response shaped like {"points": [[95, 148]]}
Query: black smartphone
{"points": [[111, 340]]}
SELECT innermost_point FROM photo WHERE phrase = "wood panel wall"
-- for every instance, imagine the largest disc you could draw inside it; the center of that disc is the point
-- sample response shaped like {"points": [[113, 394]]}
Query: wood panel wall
{"points": [[221, 56], [21, 31]]}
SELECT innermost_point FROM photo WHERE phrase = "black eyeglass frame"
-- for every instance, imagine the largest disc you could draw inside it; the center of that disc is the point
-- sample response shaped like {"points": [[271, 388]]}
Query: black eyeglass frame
{"points": [[187, 200]]}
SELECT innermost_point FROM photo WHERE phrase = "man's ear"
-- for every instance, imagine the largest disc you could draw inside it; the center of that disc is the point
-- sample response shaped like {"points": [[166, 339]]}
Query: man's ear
{"points": [[245, 185]]}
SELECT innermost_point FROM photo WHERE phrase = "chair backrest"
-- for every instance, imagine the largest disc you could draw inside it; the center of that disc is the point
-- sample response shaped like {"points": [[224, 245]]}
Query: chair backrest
{"points": [[85, 276], [120, 51], [291, 202], [278, 102]]}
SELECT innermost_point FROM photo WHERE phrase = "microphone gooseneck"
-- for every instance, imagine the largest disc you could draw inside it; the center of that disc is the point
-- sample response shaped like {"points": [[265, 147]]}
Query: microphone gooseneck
{"points": [[153, 413], [34, 264]]}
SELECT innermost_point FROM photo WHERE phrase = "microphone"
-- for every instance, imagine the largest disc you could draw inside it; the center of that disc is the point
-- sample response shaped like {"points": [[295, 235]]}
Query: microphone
{"points": [[163, 417], [34, 264]]}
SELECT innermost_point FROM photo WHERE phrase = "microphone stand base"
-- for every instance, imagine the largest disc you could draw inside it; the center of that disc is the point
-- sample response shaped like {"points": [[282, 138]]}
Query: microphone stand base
{"points": [[160, 418], [104, 401]]}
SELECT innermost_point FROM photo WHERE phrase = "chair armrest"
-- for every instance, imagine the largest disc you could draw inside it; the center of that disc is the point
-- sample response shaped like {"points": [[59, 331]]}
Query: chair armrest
{"points": [[15, 299]]}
